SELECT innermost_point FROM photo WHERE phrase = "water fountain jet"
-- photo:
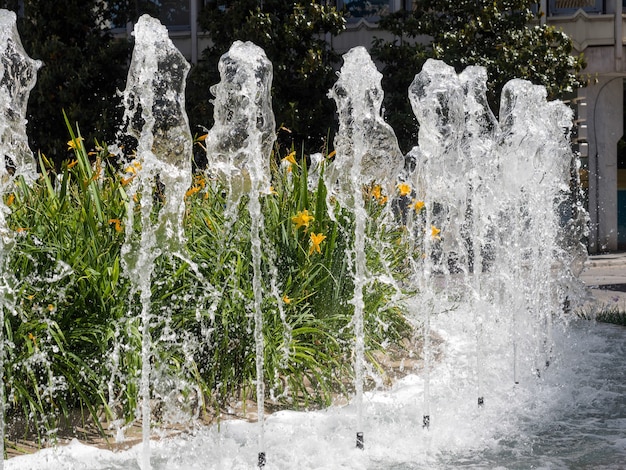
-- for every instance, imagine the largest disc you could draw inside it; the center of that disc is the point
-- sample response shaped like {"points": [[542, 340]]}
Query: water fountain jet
{"points": [[18, 74], [367, 153], [238, 154], [154, 101], [460, 144]]}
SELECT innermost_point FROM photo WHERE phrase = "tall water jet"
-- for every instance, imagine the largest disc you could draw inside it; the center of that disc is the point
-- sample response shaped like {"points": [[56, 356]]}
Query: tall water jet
{"points": [[367, 152], [18, 74], [436, 96], [536, 163], [493, 192], [478, 145], [154, 101], [238, 154]]}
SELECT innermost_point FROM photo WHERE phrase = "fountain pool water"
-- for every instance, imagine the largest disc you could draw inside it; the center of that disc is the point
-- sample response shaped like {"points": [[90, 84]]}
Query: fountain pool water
{"points": [[573, 417], [491, 271]]}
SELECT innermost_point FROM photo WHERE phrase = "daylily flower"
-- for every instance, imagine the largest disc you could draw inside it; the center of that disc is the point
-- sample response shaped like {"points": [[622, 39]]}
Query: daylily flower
{"points": [[72, 164], [191, 191], [404, 189], [302, 219], [74, 144], [118, 224], [133, 168], [434, 232], [376, 192], [291, 158], [10, 200], [418, 205], [286, 299], [316, 240]]}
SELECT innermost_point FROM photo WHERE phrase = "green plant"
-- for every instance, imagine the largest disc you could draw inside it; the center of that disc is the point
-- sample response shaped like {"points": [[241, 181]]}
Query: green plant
{"points": [[75, 333]]}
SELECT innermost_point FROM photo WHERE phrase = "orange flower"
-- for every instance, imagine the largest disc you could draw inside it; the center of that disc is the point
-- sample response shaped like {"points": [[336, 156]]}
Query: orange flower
{"points": [[118, 224], [191, 191]]}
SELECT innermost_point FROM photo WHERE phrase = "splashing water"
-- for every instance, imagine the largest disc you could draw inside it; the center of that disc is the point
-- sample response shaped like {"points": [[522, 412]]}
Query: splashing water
{"points": [[18, 74], [367, 153], [492, 266], [154, 100], [238, 153]]}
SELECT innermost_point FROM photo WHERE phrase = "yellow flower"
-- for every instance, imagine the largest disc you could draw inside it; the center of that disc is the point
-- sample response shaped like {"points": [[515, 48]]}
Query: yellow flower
{"points": [[418, 205], [376, 192], [50, 307], [136, 166], [33, 338], [198, 180], [191, 191], [302, 219], [273, 191], [404, 189], [286, 299], [74, 144], [383, 200], [291, 158], [10, 200], [118, 224], [331, 154], [316, 240], [72, 164], [434, 232]]}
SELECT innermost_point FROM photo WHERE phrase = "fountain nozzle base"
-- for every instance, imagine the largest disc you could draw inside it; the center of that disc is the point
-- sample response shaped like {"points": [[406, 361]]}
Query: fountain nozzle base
{"points": [[426, 422], [261, 460], [360, 443]]}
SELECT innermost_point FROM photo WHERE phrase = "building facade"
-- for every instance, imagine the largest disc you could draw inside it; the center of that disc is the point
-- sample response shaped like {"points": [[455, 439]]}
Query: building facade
{"points": [[597, 29]]}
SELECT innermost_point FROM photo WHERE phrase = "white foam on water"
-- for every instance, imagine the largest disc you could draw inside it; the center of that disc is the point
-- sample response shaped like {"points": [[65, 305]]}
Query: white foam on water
{"points": [[574, 416]]}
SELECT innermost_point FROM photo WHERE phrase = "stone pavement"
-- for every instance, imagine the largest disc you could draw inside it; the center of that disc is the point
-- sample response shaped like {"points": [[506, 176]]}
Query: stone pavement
{"points": [[605, 276]]}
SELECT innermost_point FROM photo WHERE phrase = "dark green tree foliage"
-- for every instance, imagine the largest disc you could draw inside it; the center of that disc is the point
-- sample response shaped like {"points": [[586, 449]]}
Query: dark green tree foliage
{"points": [[83, 67], [502, 35], [293, 37]]}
